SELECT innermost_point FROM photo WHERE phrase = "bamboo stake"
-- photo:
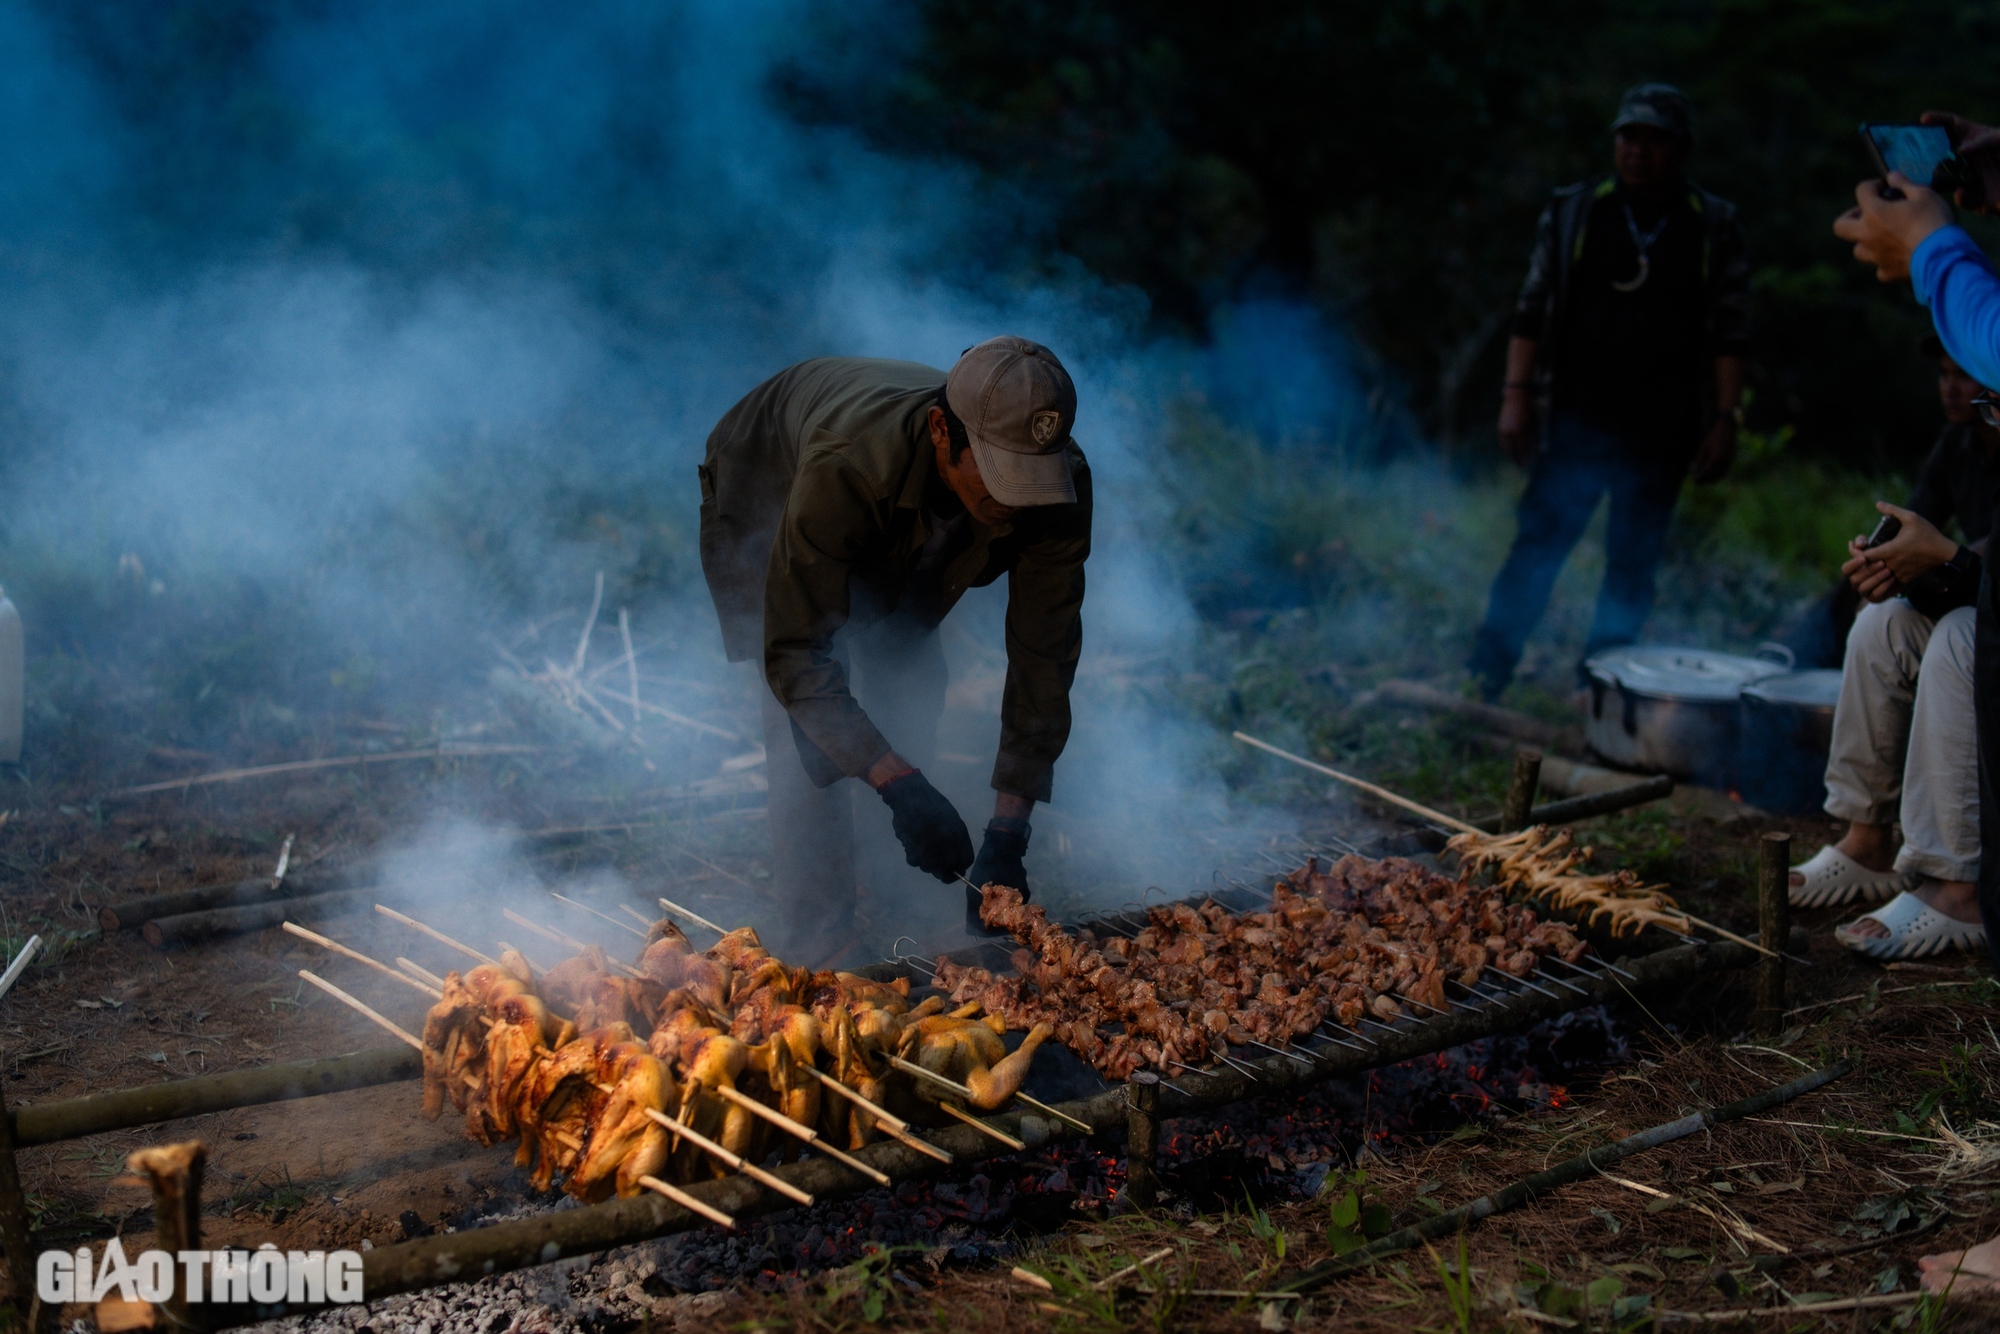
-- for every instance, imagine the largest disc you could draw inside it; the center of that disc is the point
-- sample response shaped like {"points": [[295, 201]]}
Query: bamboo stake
{"points": [[21, 960], [383, 968], [727, 1157], [550, 933], [910, 1067], [951, 1109], [439, 936], [421, 974], [342, 996], [1381, 793], [688, 1202], [895, 1127], [594, 913], [698, 920], [803, 1132]]}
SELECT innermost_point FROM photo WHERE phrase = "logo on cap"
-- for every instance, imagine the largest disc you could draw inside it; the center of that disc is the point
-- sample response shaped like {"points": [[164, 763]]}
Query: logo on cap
{"points": [[1044, 426]]}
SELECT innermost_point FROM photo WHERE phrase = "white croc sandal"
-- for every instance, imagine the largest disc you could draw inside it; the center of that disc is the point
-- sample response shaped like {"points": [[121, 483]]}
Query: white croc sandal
{"points": [[1834, 878], [1916, 930]]}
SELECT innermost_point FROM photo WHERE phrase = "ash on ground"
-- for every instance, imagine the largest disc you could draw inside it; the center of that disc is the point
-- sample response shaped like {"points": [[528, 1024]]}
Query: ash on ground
{"points": [[1279, 1146]]}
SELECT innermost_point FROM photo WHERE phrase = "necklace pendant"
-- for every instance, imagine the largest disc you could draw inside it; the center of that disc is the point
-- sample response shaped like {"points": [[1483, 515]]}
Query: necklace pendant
{"points": [[1638, 280]]}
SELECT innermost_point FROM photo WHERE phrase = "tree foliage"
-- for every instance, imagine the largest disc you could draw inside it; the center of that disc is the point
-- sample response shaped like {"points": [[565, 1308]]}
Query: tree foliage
{"points": [[1387, 158]]}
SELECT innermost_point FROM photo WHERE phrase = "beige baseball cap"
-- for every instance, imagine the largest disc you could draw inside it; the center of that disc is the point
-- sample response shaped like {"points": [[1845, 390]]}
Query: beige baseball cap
{"points": [[1017, 403]]}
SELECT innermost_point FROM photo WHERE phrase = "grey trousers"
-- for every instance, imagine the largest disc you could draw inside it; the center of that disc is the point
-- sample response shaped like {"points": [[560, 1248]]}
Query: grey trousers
{"points": [[1903, 739], [897, 671]]}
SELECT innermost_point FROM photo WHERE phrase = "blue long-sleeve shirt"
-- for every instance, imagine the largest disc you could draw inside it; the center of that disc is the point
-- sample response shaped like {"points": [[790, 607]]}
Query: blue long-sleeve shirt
{"points": [[1954, 278]]}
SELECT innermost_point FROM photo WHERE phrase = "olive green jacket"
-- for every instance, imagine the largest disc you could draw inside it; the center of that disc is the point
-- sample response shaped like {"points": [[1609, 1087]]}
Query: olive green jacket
{"points": [[812, 520]]}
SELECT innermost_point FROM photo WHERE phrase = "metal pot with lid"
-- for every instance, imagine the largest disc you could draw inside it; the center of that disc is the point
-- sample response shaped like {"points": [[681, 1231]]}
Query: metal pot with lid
{"points": [[1785, 730], [1660, 708]]}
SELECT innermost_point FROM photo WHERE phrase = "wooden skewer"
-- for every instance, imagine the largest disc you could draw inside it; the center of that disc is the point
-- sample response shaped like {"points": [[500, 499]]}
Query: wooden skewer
{"points": [[1105, 1284], [727, 1157], [951, 1109], [803, 1132], [698, 920], [421, 974], [359, 957], [1383, 793], [895, 1127], [637, 916], [687, 1201], [594, 913], [340, 995], [910, 1067], [550, 933], [439, 936]]}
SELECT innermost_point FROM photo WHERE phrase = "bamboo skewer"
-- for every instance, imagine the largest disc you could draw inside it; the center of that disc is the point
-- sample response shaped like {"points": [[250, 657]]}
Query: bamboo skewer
{"points": [[895, 1127], [21, 959], [803, 1132], [439, 936], [687, 1201], [1450, 822], [697, 919], [727, 1157], [383, 968], [910, 1067], [342, 996], [594, 913], [637, 916], [1381, 793], [550, 933], [952, 1109], [421, 974]]}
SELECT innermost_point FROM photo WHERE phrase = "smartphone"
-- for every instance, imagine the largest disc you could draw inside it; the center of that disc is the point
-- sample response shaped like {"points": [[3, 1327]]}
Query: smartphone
{"points": [[1918, 151], [1888, 528]]}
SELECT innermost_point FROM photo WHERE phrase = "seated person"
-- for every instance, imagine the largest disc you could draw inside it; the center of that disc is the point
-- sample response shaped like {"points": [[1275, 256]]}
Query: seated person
{"points": [[1902, 742], [1960, 479]]}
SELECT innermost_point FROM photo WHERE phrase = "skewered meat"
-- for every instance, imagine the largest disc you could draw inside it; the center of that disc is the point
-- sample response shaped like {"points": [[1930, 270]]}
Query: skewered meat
{"points": [[1359, 938], [503, 1046], [1541, 864]]}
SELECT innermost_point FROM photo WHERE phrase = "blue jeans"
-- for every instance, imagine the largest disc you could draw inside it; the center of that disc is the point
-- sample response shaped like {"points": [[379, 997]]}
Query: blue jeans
{"points": [[1580, 463]]}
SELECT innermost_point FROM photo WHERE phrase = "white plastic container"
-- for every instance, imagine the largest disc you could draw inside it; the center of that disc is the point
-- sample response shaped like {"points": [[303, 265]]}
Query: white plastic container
{"points": [[13, 682]]}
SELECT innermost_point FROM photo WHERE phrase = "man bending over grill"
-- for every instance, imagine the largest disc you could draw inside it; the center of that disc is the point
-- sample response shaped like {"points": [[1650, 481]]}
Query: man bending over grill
{"points": [[846, 506]]}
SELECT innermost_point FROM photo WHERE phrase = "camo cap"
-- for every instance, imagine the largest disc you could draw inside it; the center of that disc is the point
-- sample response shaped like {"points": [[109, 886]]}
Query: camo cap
{"points": [[1660, 105], [1017, 403]]}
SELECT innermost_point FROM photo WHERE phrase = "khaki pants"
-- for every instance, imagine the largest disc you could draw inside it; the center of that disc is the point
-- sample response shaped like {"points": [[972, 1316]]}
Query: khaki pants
{"points": [[1903, 739], [897, 671]]}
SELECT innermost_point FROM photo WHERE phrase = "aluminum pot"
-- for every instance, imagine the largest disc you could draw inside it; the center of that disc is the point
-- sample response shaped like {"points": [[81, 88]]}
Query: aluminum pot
{"points": [[1785, 729], [1662, 709]]}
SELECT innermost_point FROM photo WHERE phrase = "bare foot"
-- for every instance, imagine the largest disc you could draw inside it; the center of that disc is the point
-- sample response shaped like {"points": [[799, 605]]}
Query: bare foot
{"points": [[1873, 845], [1956, 899], [1973, 1270]]}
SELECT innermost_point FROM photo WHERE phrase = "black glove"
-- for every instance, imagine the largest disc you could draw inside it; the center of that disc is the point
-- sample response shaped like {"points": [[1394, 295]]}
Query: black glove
{"points": [[934, 838], [999, 864]]}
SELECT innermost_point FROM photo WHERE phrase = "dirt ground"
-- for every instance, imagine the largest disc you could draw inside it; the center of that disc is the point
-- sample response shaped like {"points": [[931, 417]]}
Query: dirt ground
{"points": [[1833, 1196]]}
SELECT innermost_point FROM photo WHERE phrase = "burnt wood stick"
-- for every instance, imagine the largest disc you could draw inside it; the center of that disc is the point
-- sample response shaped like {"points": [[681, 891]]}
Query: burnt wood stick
{"points": [[175, 1171], [1576, 1169], [1774, 923], [1571, 809], [1520, 802], [189, 928], [130, 913], [14, 1225], [74, 1117], [545, 1238]]}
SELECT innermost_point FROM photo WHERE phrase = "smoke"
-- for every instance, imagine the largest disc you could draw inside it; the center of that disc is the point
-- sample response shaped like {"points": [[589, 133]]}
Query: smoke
{"points": [[357, 333]]}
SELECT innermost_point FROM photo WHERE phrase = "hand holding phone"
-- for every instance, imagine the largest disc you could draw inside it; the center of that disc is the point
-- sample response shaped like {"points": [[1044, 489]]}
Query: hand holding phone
{"points": [[1886, 529], [1923, 153]]}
